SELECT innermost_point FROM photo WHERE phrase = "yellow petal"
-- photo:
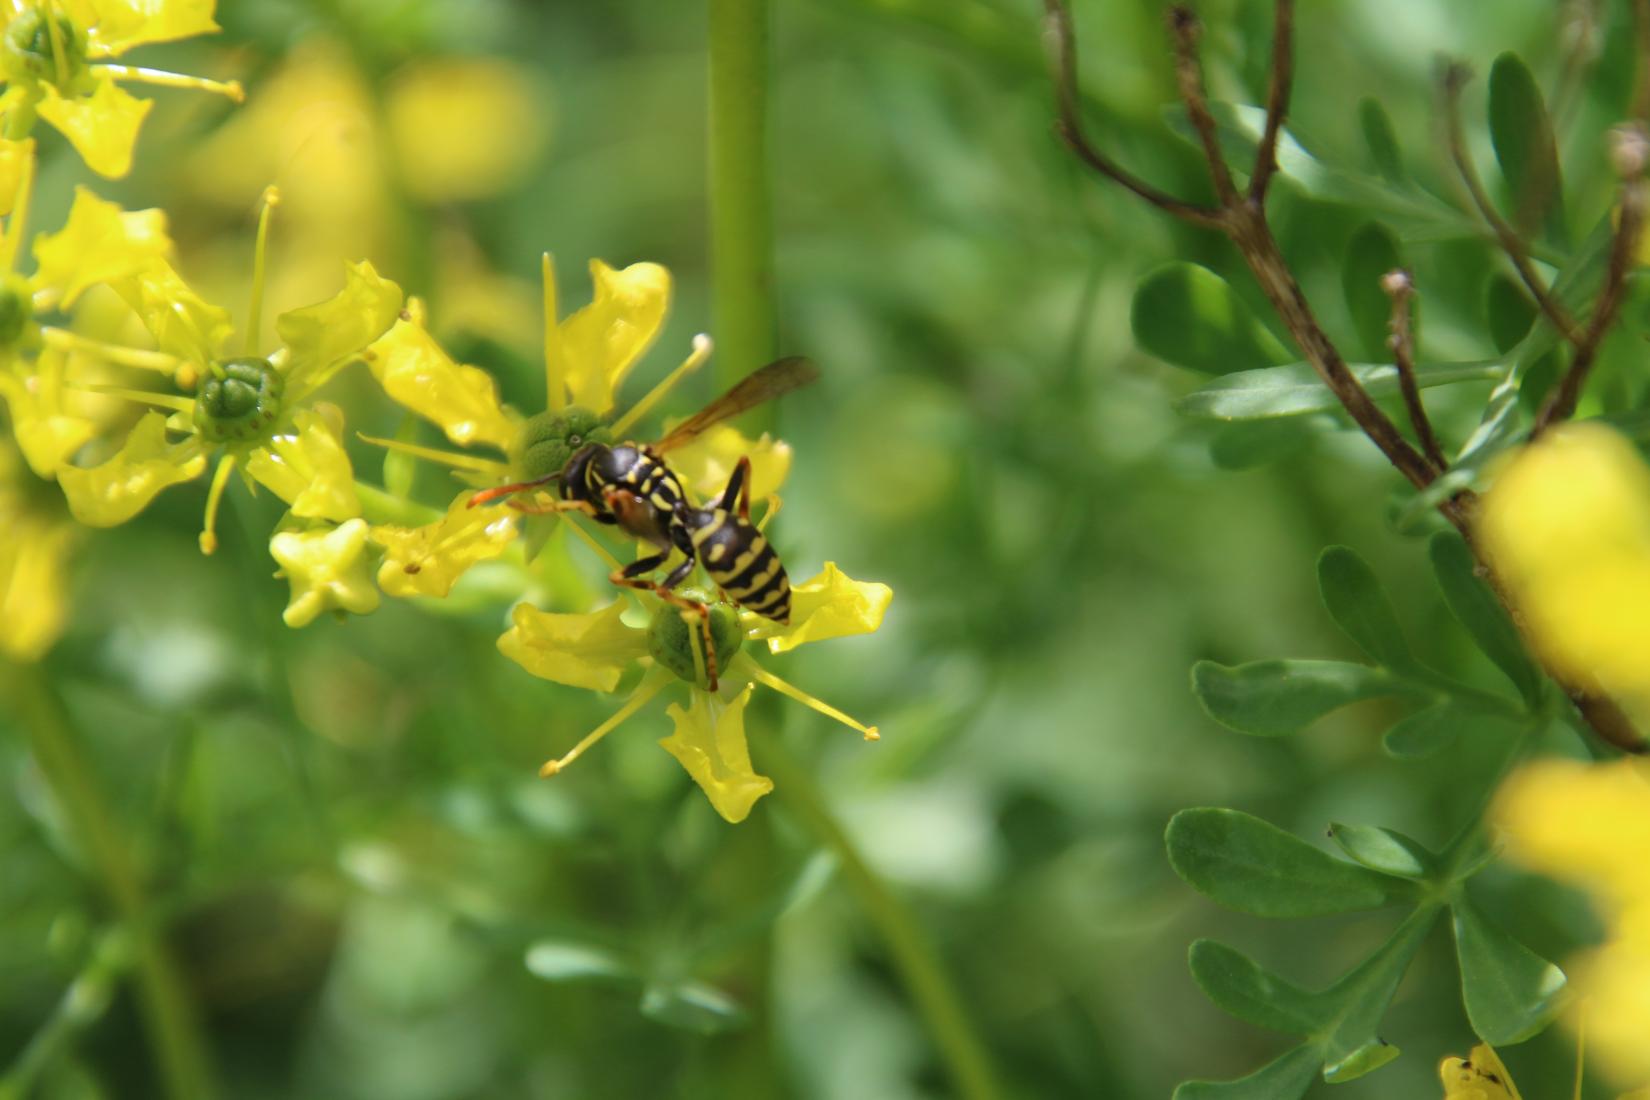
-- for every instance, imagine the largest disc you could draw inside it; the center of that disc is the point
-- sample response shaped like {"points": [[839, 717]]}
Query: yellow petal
{"points": [[327, 568], [710, 743], [115, 26], [461, 400], [325, 337], [1481, 1077], [47, 435], [464, 128], [427, 560], [307, 467], [120, 488], [103, 126], [182, 322], [589, 651], [14, 156], [33, 568], [595, 348], [100, 243], [708, 462], [832, 605]]}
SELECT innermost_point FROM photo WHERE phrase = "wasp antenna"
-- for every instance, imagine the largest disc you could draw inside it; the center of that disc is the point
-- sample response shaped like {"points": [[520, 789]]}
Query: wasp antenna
{"points": [[487, 495]]}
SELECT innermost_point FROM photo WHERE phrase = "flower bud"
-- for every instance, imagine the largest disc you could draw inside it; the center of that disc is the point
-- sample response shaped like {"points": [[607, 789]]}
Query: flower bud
{"points": [[16, 310], [27, 51], [673, 637], [239, 402], [547, 441]]}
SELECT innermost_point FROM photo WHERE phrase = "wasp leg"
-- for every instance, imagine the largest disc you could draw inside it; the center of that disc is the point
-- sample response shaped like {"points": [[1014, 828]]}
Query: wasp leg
{"points": [[641, 567], [631, 577], [739, 488]]}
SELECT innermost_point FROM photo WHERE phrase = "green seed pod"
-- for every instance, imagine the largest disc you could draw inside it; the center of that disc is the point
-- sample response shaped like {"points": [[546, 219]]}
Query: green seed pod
{"points": [[241, 406], [27, 52], [16, 310], [549, 439], [672, 639]]}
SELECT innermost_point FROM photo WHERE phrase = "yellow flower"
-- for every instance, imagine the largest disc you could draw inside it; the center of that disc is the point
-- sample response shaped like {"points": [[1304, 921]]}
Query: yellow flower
{"points": [[327, 568], [1566, 526], [596, 650], [1480, 1077], [33, 563], [463, 128], [427, 560], [1589, 824], [53, 57]]}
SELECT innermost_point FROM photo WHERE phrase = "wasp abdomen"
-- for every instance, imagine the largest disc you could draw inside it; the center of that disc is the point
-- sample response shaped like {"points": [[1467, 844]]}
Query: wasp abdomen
{"points": [[742, 563]]}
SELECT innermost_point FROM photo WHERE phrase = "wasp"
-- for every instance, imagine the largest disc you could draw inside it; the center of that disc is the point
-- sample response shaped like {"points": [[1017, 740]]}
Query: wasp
{"points": [[630, 486]]}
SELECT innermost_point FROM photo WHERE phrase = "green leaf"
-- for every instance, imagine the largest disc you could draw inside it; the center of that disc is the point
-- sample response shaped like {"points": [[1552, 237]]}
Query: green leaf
{"points": [[1425, 733], [1382, 140], [1370, 254], [1522, 135], [1246, 864], [1285, 1078], [1189, 316], [1273, 698], [1238, 985], [1249, 443], [1510, 992], [572, 960], [1510, 310], [1359, 606], [1295, 389], [1385, 850], [1474, 605], [1364, 994], [1371, 1056], [692, 1006]]}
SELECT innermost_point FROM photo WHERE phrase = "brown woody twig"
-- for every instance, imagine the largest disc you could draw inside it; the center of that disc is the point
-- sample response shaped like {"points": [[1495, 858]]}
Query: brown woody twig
{"points": [[1401, 289], [1185, 30], [1277, 98]]}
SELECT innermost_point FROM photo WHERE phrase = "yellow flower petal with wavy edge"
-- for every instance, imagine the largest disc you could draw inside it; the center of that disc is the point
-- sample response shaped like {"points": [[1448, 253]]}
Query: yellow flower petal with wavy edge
{"points": [[115, 26], [710, 744], [464, 128], [428, 560], [14, 156], [461, 400], [591, 651], [182, 322], [327, 569], [99, 243], [708, 462], [595, 348], [120, 488], [47, 436], [33, 585], [103, 127], [832, 605], [325, 337], [308, 468], [1480, 1077]]}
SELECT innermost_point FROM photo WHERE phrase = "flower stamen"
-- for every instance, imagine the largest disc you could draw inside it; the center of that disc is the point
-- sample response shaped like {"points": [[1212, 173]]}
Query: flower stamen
{"points": [[11, 243], [594, 544], [64, 340], [702, 346], [214, 496], [555, 365], [260, 251], [643, 695], [138, 74], [454, 459], [142, 397], [747, 667]]}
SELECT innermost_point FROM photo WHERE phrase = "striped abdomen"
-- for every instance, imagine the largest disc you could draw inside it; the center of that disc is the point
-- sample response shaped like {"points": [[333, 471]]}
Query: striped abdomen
{"points": [[741, 562]]}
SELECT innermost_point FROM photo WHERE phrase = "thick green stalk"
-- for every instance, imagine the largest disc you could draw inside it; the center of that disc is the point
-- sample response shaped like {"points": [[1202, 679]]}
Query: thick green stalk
{"points": [[914, 957], [741, 190], [163, 1000]]}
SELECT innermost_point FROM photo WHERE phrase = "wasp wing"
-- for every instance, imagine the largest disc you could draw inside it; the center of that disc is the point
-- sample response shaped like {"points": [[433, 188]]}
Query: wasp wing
{"points": [[762, 385]]}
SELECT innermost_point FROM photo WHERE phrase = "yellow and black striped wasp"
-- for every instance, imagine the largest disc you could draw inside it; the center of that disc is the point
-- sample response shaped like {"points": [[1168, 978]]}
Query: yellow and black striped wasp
{"points": [[629, 485]]}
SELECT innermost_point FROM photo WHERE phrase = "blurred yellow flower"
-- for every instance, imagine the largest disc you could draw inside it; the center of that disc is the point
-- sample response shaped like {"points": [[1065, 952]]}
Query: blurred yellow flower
{"points": [[1589, 824], [52, 58], [464, 127], [1566, 526], [328, 569], [33, 562]]}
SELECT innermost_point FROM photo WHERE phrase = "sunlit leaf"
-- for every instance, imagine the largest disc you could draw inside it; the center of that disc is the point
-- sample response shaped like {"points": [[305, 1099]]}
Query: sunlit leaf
{"points": [[1522, 135], [1359, 606], [1249, 443], [1425, 733], [1510, 310], [1296, 389], [1364, 994], [1510, 992], [1187, 315], [572, 960], [1475, 606], [692, 1006], [1381, 139], [1240, 986], [1384, 850], [1272, 698], [1285, 1078]]}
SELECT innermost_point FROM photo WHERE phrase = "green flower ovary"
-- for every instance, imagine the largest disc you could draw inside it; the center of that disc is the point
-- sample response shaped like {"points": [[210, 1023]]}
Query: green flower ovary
{"points": [[28, 52], [548, 440], [16, 310], [240, 405], [672, 639]]}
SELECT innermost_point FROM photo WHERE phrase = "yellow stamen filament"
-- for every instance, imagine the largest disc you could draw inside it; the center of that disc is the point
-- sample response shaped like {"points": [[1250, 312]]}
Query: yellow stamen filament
{"points": [[1581, 1045], [214, 496], [142, 397], [592, 542], [643, 695], [64, 340], [774, 504], [701, 351], [230, 88], [260, 251], [555, 364], [454, 459], [748, 667], [55, 33], [10, 244]]}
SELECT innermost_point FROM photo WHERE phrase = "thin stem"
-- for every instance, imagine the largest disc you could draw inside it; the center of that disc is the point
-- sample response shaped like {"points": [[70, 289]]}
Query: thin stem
{"points": [[1185, 29], [163, 999], [1401, 289], [1062, 45], [913, 955], [1454, 79], [1277, 97], [741, 204], [1641, 74]]}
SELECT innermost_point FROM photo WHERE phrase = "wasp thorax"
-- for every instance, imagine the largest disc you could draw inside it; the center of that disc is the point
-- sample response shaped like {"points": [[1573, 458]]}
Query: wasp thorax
{"points": [[16, 309], [38, 46], [549, 439], [673, 638], [239, 401]]}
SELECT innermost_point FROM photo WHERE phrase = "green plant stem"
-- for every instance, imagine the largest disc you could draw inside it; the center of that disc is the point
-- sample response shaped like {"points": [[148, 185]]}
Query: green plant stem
{"points": [[741, 192], [163, 1000], [381, 506], [915, 958]]}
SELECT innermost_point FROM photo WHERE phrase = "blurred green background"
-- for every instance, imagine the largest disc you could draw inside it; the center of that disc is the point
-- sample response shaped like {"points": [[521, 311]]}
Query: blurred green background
{"points": [[340, 831]]}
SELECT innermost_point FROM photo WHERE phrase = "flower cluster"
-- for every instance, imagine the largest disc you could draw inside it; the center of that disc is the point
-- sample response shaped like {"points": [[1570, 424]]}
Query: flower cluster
{"points": [[157, 385]]}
